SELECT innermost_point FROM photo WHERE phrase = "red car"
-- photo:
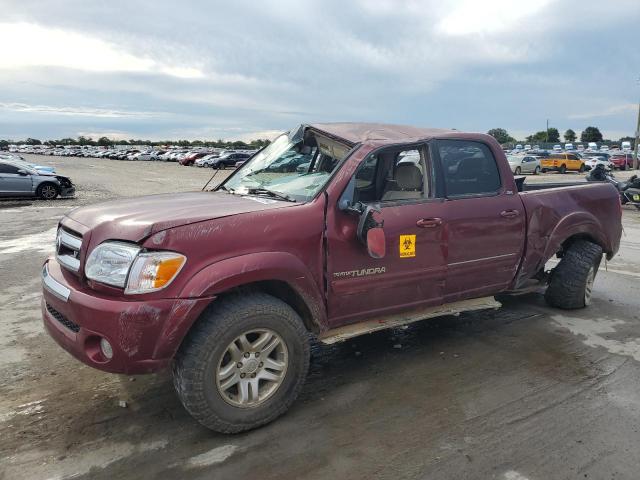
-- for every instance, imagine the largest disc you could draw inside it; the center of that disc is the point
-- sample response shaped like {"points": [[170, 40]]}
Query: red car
{"points": [[191, 158], [387, 225], [622, 160]]}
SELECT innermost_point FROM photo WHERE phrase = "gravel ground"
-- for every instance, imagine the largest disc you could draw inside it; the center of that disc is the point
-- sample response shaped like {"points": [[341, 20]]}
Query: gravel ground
{"points": [[526, 392]]}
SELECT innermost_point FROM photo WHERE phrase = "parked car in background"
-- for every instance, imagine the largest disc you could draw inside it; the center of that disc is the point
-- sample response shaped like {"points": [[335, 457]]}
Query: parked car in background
{"points": [[228, 159], [191, 157], [562, 162], [557, 148], [625, 146], [593, 146], [622, 160], [524, 164], [604, 148], [568, 147], [18, 180], [592, 161]]}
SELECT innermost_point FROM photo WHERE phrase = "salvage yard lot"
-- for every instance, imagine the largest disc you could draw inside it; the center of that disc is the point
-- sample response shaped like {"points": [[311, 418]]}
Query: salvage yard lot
{"points": [[525, 392]]}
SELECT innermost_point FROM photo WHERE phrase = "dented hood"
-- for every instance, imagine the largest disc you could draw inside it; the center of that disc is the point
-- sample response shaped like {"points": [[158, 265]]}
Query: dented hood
{"points": [[136, 218]]}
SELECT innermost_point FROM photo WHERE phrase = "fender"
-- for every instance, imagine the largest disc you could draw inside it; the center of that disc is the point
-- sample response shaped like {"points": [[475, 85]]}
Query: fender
{"points": [[233, 272], [255, 267], [541, 246], [576, 223]]}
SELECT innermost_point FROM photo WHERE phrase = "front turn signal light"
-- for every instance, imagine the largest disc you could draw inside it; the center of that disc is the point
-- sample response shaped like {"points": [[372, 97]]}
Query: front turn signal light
{"points": [[153, 271]]}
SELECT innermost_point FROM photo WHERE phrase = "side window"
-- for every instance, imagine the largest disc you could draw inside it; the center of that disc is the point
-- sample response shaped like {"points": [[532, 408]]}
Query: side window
{"points": [[469, 168], [6, 168], [392, 175]]}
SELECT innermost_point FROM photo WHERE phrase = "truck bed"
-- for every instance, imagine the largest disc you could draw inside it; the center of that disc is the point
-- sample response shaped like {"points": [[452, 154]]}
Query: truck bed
{"points": [[556, 212]]}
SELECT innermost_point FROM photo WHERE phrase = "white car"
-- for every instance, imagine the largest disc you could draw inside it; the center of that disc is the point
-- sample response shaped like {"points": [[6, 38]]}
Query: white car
{"points": [[591, 163], [604, 148], [568, 147], [524, 164], [557, 148]]}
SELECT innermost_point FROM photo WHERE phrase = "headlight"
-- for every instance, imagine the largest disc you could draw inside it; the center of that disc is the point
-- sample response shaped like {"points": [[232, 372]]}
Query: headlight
{"points": [[153, 271], [122, 264], [109, 262]]}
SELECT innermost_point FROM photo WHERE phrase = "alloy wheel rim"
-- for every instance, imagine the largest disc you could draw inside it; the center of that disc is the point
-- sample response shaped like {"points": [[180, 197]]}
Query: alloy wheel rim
{"points": [[48, 191], [252, 368], [588, 288]]}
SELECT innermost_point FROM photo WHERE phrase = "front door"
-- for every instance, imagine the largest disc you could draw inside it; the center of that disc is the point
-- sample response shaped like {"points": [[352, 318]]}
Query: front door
{"points": [[485, 221], [412, 272], [11, 182]]}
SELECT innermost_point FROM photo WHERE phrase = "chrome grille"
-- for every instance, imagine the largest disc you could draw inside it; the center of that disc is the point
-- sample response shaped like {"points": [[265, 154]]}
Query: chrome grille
{"points": [[68, 249]]}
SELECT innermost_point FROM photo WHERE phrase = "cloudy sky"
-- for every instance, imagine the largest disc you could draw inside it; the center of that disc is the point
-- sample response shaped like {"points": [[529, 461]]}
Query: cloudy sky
{"points": [[244, 69]]}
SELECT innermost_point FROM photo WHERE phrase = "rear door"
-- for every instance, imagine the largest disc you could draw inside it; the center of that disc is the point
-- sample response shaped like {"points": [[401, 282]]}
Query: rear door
{"points": [[12, 183], [412, 272], [484, 221]]}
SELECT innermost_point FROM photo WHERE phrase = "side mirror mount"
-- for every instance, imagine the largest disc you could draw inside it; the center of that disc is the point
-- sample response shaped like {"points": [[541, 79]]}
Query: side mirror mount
{"points": [[370, 232], [24, 173]]}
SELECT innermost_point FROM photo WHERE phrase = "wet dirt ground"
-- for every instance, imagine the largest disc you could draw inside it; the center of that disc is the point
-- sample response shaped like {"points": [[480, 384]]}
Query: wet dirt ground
{"points": [[525, 392]]}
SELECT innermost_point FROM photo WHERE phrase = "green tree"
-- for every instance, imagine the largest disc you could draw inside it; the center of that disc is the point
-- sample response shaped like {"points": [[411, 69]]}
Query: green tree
{"points": [[4, 144], [105, 142], [569, 136], [501, 135], [33, 141], [591, 134], [553, 135], [537, 137]]}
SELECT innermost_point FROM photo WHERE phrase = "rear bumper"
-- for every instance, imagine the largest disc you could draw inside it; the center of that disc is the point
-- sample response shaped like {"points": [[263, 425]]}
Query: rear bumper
{"points": [[144, 335]]}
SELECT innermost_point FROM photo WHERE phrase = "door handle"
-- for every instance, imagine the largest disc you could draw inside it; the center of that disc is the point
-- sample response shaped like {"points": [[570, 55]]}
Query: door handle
{"points": [[429, 222], [509, 213]]}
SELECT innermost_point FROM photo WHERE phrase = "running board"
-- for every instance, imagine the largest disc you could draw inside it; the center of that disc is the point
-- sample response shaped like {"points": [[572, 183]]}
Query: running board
{"points": [[349, 331]]}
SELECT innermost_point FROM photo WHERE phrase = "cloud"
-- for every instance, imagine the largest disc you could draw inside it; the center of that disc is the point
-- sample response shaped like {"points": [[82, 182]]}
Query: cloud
{"points": [[607, 111], [44, 46], [74, 111], [229, 69]]}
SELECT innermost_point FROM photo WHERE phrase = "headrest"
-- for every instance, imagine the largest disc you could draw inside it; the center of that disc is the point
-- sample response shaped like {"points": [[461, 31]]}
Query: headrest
{"points": [[409, 177]]}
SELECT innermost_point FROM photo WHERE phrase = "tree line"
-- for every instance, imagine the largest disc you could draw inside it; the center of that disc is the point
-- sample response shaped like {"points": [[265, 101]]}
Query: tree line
{"points": [[552, 135], [108, 142]]}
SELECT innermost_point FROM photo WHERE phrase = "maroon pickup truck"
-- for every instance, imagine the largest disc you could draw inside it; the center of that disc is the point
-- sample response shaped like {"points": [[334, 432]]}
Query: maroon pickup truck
{"points": [[373, 226]]}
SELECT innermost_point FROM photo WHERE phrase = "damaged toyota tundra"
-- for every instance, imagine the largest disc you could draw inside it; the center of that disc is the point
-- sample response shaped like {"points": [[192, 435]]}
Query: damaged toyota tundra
{"points": [[360, 227]]}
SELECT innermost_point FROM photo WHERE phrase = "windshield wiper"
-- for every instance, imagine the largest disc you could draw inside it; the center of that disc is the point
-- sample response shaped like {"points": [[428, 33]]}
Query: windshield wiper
{"points": [[270, 193]]}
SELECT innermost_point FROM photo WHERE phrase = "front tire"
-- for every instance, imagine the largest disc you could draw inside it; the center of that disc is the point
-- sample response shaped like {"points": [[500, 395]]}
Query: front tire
{"points": [[243, 364], [563, 169], [572, 280], [536, 171], [582, 168], [47, 191]]}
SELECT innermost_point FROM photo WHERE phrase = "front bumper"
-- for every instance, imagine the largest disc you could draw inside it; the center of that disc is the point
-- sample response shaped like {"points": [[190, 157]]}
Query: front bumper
{"points": [[68, 192], [144, 335]]}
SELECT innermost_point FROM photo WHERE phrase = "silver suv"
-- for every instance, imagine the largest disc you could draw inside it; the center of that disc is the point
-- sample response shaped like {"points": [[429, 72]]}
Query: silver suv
{"points": [[19, 180]]}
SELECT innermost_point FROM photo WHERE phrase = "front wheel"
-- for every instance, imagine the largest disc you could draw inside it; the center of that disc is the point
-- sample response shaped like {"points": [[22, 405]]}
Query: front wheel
{"points": [[243, 364], [536, 171], [572, 280], [582, 168], [544, 170], [47, 191], [563, 169]]}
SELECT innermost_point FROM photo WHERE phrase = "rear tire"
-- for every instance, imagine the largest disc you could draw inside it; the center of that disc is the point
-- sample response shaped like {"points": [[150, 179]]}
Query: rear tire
{"points": [[544, 170], [47, 191], [206, 354], [536, 171], [572, 280]]}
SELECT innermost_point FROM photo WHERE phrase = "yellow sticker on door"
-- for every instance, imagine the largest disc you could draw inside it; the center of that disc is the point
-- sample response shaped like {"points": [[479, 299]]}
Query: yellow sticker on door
{"points": [[407, 246]]}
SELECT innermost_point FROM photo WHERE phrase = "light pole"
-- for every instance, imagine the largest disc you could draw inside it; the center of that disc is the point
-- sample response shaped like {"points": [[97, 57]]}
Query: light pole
{"points": [[635, 149]]}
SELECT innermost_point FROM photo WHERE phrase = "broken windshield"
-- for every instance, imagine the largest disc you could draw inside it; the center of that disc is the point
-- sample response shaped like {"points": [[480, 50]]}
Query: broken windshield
{"points": [[294, 166]]}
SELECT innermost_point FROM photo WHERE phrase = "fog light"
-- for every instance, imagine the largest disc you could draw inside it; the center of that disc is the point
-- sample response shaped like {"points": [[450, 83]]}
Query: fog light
{"points": [[105, 348]]}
